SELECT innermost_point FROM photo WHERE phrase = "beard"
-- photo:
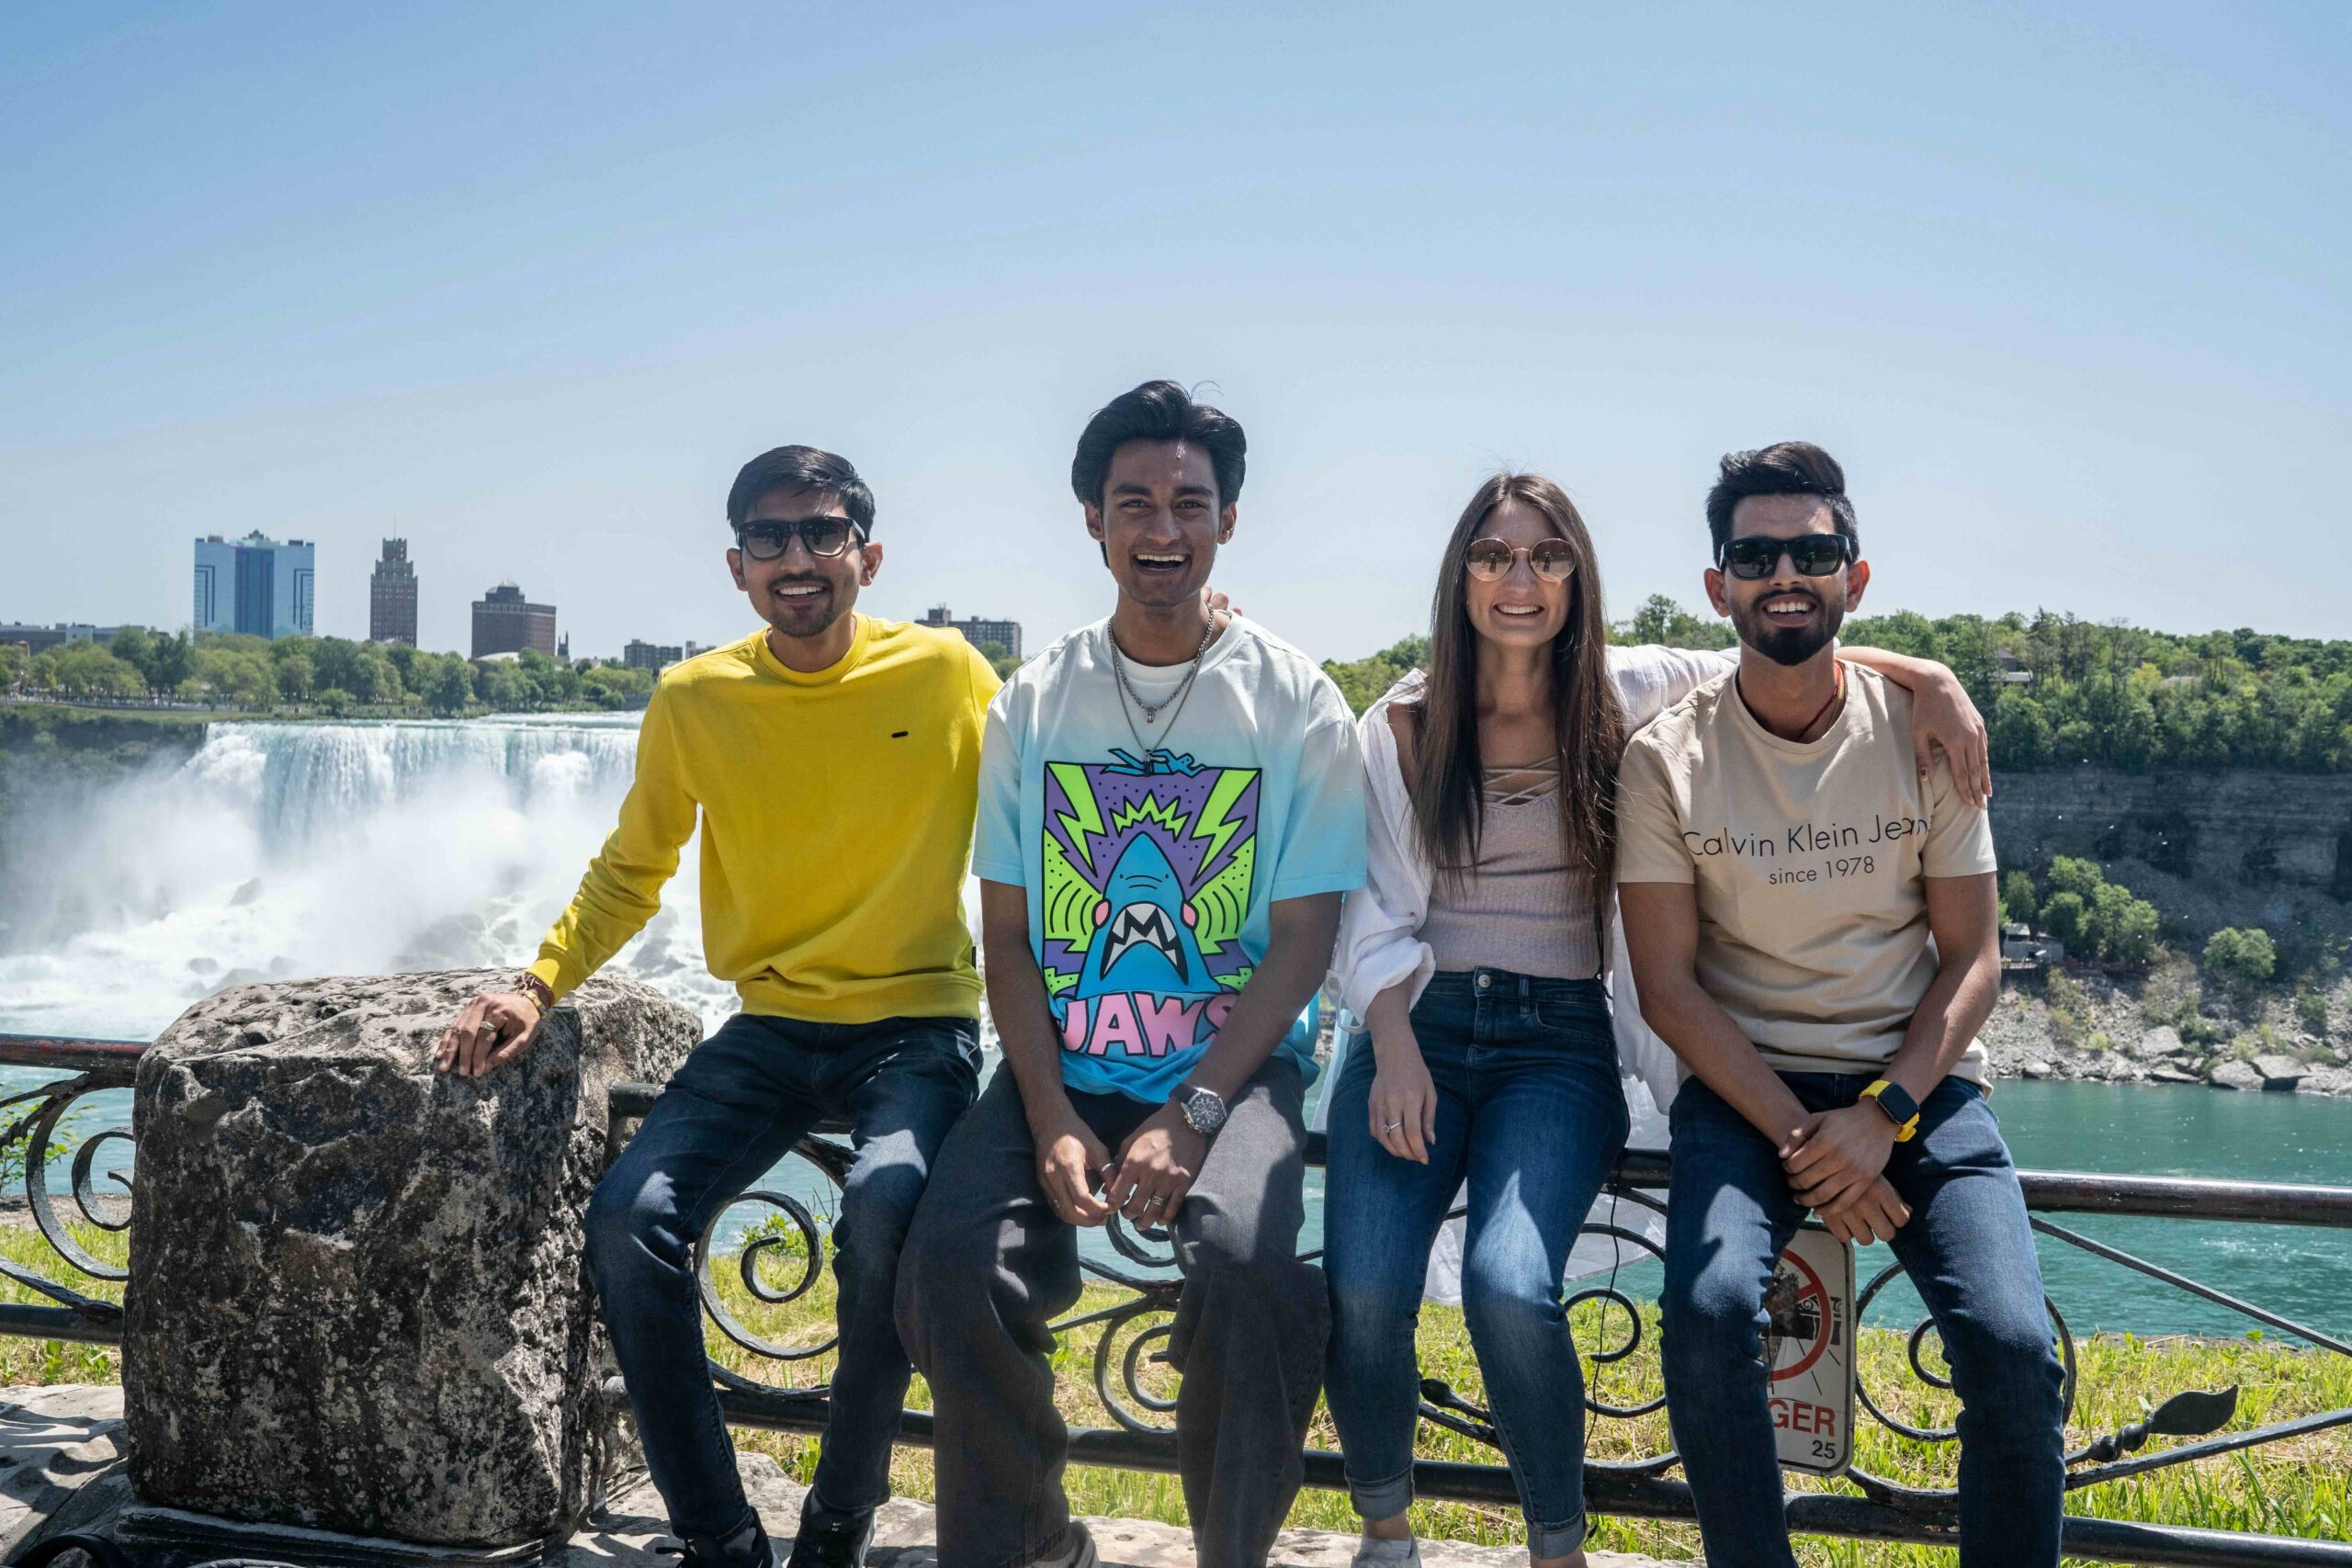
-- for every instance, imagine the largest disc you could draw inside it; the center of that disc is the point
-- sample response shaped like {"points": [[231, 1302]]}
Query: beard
{"points": [[1786, 645]]}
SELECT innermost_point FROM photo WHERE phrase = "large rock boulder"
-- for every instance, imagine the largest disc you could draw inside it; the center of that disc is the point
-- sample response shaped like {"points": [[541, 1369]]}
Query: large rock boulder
{"points": [[2234, 1074], [2280, 1070], [357, 1296]]}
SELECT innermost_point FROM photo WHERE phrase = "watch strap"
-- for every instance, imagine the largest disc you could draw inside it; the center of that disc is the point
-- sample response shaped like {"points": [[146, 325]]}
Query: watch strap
{"points": [[1895, 1103]]}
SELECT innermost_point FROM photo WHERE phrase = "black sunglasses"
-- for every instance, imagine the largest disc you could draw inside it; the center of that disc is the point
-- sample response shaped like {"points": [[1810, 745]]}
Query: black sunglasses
{"points": [[1814, 554], [825, 536]]}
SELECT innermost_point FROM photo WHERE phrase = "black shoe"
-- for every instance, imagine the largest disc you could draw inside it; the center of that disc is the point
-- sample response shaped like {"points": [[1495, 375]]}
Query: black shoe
{"points": [[747, 1547], [830, 1540]]}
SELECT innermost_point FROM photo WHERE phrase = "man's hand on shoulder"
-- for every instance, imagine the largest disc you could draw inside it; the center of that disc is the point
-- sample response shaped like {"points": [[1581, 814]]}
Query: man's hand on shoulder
{"points": [[490, 1031], [1835, 1153], [1944, 718]]}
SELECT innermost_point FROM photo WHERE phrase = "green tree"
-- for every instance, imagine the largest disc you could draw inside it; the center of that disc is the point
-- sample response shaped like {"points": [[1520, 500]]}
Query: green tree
{"points": [[615, 686], [1662, 621], [447, 686], [2066, 917], [2069, 874], [502, 685], [89, 669], [2244, 956], [2018, 901], [1000, 658], [1364, 681], [2123, 926]]}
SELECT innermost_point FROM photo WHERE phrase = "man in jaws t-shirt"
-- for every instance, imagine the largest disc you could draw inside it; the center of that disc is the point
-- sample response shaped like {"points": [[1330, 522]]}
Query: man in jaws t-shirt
{"points": [[1152, 849], [1807, 858]]}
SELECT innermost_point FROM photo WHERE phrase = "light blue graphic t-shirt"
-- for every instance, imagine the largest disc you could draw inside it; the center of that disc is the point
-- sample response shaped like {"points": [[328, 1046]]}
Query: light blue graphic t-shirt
{"points": [[1152, 851]]}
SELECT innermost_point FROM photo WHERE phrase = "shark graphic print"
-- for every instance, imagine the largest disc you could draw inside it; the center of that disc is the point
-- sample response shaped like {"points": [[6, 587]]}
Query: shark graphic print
{"points": [[1146, 878]]}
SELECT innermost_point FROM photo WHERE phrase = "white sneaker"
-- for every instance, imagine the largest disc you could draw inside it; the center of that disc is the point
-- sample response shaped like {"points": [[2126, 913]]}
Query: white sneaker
{"points": [[1078, 1552], [1373, 1553]]}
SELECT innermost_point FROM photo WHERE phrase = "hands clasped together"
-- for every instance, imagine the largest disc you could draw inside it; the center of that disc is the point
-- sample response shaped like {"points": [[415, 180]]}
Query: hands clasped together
{"points": [[1836, 1161], [1146, 1181]]}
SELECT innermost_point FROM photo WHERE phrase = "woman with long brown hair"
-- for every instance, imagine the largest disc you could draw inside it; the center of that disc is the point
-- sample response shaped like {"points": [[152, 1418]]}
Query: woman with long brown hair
{"points": [[1477, 957]]}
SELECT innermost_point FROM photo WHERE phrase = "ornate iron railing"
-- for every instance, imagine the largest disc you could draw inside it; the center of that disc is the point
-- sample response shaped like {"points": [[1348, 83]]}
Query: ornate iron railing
{"points": [[1124, 1359]]}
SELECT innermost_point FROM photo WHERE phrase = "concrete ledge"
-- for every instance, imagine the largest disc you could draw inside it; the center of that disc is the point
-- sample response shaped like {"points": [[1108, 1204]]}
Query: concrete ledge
{"points": [[62, 1469]]}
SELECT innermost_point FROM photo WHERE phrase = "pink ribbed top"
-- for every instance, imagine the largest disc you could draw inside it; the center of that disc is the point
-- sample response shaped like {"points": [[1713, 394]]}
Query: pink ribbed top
{"points": [[1523, 908]]}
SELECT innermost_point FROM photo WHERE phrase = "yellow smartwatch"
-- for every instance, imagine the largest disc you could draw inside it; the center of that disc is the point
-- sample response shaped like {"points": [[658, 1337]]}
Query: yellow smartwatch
{"points": [[1895, 1101]]}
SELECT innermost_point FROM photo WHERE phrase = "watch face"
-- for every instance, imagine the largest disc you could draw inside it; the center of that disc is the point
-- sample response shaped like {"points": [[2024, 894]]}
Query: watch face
{"points": [[1205, 1110]]}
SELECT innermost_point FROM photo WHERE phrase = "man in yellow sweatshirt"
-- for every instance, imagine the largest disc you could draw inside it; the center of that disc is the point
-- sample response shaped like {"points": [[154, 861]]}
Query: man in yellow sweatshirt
{"points": [[832, 760]]}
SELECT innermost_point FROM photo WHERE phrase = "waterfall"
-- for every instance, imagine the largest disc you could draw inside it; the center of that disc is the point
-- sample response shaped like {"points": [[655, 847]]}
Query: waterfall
{"points": [[283, 851]]}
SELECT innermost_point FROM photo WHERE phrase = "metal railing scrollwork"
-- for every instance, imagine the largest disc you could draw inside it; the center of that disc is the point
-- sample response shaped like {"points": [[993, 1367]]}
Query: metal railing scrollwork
{"points": [[1130, 1373]]}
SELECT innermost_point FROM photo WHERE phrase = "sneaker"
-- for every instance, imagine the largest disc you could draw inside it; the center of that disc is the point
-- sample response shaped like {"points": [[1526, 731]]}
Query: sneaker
{"points": [[1371, 1552], [829, 1540], [747, 1547], [1078, 1551]]}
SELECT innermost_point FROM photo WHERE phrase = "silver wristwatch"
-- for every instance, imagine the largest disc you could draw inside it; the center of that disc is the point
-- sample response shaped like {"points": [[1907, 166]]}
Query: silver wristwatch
{"points": [[1203, 1111]]}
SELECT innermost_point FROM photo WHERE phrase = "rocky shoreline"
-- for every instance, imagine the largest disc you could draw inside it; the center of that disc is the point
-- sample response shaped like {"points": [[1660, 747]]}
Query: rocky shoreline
{"points": [[2024, 1040]]}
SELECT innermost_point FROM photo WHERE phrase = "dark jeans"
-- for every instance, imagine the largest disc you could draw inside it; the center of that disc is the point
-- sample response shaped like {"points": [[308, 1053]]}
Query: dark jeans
{"points": [[1969, 1253], [988, 1266], [742, 1101], [1531, 1115]]}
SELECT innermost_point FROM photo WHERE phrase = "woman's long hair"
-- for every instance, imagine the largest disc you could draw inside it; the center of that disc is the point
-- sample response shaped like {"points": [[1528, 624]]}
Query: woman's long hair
{"points": [[1447, 777]]}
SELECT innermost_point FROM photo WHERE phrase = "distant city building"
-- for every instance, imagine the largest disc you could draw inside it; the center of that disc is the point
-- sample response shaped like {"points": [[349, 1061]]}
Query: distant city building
{"points": [[1004, 634], [637, 654], [392, 596], [256, 585], [504, 622], [40, 639]]}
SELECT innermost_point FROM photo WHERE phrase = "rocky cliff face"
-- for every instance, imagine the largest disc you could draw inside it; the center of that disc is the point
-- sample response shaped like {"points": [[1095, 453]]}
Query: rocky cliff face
{"points": [[2235, 847]]}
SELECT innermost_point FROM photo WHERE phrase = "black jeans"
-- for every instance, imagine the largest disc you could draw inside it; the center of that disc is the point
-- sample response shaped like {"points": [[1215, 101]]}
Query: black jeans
{"points": [[742, 1101], [989, 1266]]}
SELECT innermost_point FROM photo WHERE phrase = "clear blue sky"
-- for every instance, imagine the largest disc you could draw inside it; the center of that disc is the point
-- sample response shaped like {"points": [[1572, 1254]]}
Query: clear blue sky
{"points": [[2065, 287]]}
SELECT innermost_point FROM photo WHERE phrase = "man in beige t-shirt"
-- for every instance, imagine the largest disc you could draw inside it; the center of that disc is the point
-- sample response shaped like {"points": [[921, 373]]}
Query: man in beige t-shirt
{"points": [[1813, 930]]}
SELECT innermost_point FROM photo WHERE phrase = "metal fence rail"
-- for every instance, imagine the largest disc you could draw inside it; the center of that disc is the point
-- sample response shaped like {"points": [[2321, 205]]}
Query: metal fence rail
{"points": [[1144, 1438]]}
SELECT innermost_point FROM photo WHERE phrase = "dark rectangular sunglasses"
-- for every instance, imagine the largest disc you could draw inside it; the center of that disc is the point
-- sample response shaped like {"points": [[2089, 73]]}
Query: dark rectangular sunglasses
{"points": [[825, 536], [1814, 554]]}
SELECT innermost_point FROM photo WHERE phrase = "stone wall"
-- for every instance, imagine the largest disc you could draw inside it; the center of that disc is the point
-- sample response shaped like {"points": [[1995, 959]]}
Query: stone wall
{"points": [[2234, 847], [356, 1298]]}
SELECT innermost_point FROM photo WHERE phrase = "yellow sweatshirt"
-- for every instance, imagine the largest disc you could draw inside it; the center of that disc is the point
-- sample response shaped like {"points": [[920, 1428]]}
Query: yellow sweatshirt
{"points": [[836, 827]]}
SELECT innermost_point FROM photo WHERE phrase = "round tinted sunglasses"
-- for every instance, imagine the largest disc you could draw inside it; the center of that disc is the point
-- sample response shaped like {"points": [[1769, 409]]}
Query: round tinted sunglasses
{"points": [[1755, 556], [1489, 561], [825, 536]]}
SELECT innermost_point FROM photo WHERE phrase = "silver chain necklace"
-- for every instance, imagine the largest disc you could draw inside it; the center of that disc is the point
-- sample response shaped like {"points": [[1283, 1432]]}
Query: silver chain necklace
{"points": [[1151, 711]]}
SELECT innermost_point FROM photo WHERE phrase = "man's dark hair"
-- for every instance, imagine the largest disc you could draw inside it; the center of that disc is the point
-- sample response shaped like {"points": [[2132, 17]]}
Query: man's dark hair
{"points": [[1785, 468], [1158, 410], [798, 468]]}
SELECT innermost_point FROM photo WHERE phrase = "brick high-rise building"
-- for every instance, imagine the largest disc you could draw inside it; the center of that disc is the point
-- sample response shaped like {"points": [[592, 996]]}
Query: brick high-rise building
{"points": [[504, 622], [392, 596]]}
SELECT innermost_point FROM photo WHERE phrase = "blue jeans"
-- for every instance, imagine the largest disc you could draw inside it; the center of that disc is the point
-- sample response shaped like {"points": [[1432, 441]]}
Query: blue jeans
{"points": [[742, 1101], [1969, 1253], [1531, 1113]]}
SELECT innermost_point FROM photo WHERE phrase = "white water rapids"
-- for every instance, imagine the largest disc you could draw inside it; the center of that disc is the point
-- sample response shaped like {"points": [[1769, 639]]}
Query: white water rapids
{"points": [[285, 850]]}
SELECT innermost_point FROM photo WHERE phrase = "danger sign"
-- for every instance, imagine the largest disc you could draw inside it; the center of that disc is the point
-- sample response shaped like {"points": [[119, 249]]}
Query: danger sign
{"points": [[1809, 1343]]}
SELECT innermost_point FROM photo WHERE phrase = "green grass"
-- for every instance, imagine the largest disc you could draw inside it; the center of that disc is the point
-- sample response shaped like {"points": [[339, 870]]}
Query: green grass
{"points": [[2291, 1489], [2298, 1489]]}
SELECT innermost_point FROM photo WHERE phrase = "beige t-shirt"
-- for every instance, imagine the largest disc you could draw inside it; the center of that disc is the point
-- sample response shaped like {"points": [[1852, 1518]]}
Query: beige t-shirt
{"points": [[1807, 860]]}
